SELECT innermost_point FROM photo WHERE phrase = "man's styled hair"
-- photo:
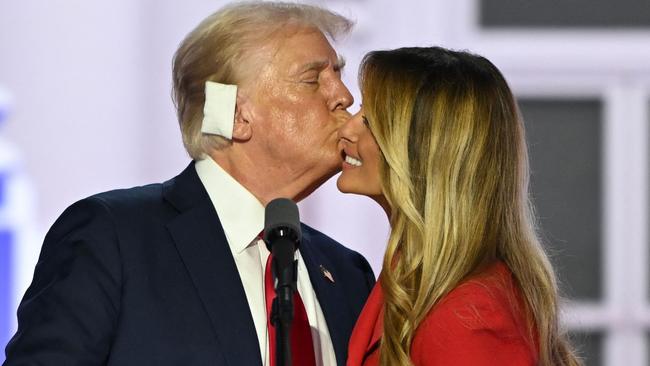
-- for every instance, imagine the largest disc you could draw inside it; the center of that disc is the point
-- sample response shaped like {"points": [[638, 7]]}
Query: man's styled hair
{"points": [[218, 50]]}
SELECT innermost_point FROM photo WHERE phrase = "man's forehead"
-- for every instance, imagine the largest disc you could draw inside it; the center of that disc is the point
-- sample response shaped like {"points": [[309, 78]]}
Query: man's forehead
{"points": [[304, 47]]}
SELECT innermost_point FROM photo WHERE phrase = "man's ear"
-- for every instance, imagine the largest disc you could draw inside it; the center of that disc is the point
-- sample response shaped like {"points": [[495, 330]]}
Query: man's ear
{"points": [[242, 130]]}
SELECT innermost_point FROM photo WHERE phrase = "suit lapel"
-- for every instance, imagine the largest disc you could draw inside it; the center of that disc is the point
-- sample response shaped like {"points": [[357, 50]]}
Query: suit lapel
{"points": [[202, 245], [330, 296]]}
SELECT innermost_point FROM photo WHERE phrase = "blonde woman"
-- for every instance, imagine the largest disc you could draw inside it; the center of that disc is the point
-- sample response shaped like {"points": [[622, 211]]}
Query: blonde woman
{"points": [[438, 143]]}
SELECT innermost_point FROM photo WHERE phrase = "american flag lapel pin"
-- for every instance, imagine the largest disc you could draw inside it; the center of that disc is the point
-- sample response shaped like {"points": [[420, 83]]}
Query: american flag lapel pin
{"points": [[326, 273]]}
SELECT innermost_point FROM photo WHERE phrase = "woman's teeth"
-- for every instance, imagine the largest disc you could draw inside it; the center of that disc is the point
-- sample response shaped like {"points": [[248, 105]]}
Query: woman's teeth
{"points": [[352, 161]]}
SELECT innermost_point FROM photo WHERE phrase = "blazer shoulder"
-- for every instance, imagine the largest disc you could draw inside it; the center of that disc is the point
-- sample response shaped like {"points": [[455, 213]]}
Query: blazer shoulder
{"points": [[100, 215], [489, 300], [479, 319], [128, 198], [105, 213]]}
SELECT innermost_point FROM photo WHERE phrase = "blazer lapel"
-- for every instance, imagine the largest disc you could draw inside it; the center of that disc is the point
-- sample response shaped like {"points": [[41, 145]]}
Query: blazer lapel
{"points": [[368, 330], [202, 245], [330, 296], [377, 332]]}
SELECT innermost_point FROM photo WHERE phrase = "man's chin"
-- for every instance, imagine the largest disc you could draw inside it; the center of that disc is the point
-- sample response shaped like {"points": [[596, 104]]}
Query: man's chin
{"points": [[318, 181], [335, 169]]}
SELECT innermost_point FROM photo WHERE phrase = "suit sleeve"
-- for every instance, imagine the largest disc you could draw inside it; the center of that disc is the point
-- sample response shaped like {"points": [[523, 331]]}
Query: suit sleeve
{"points": [[69, 313]]}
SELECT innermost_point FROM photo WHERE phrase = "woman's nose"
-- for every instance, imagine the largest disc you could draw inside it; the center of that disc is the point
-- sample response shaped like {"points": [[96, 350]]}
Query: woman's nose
{"points": [[348, 130]]}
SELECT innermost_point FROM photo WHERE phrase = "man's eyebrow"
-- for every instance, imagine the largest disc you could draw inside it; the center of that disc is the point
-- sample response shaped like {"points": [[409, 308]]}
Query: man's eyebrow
{"points": [[314, 65], [320, 65]]}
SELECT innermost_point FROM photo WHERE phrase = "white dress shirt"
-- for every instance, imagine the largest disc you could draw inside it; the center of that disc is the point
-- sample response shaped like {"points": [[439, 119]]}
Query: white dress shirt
{"points": [[242, 219]]}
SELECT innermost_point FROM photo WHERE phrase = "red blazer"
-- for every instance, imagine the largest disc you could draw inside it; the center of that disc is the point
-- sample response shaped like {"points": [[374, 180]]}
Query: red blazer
{"points": [[477, 323]]}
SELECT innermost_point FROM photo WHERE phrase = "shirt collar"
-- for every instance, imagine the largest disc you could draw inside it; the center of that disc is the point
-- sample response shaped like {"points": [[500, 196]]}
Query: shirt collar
{"points": [[241, 214]]}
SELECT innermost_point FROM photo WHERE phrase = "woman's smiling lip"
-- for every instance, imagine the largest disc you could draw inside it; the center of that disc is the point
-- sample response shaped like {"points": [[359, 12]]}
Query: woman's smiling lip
{"points": [[353, 161], [350, 160]]}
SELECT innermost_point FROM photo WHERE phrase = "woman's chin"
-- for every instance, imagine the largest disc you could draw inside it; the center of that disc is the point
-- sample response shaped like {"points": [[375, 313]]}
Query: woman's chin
{"points": [[341, 186], [347, 184], [346, 187]]}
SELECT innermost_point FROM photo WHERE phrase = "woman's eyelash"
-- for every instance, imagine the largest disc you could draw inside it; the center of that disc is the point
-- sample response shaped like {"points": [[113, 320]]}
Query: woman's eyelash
{"points": [[365, 121]]}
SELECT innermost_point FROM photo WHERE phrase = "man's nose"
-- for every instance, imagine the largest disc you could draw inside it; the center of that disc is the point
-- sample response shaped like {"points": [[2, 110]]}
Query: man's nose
{"points": [[341, 97]]}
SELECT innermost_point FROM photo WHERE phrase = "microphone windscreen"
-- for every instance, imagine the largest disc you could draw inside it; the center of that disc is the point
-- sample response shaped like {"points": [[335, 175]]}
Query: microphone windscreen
{"points": [[282, 213]]}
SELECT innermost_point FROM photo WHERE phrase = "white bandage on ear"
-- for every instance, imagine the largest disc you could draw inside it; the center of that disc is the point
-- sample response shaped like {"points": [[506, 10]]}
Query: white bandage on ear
{"points": [[219, 109]]}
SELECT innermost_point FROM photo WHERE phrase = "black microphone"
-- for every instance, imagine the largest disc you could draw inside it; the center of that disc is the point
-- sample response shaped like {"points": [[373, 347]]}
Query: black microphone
{"points": [[282, 237]]}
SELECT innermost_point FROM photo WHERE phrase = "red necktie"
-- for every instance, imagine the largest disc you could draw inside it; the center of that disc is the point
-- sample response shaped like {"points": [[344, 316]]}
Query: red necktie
{"points": [[302, 347]]}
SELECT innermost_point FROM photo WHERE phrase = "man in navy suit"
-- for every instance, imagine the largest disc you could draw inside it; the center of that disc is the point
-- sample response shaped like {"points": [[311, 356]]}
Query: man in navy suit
{"points": [[173, 273]]}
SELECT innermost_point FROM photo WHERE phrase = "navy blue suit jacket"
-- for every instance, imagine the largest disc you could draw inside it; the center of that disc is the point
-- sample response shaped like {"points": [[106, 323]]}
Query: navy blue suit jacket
{"points": [[145, 276]]}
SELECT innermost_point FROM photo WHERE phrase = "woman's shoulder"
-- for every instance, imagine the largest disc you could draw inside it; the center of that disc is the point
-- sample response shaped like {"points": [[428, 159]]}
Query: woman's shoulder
{"points": [[481, 300], [478, 321]]}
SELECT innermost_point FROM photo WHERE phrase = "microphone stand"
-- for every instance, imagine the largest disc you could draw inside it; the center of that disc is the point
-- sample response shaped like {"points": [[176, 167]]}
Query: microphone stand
{"points": [[285, 269]]}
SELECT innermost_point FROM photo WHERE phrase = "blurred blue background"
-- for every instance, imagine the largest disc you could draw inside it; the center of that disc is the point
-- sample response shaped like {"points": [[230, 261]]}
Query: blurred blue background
{"points": [[85, 107]]}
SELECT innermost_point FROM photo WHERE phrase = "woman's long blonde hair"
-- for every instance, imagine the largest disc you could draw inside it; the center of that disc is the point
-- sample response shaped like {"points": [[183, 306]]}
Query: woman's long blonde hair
{"points": [[455, 174]]}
